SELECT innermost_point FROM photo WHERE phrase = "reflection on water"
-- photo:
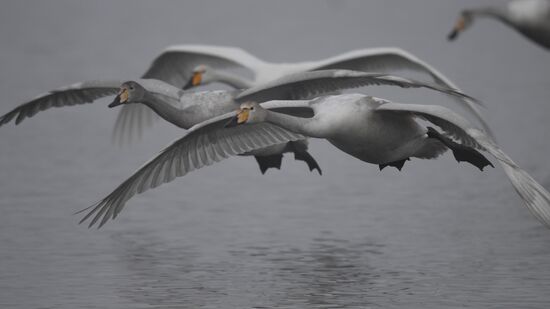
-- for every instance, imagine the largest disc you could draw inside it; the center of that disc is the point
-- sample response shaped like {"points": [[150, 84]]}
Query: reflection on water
{"points": [[330, 273], [324, 272], [327, 273]]}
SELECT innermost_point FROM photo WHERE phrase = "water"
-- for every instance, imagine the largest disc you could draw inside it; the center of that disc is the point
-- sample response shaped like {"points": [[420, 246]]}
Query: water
{"points": [[437, 235]]}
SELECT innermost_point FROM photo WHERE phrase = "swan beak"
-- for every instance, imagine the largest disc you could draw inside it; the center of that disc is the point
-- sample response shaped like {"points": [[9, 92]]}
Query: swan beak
{"points": [[459, 27], [195, 80], [121, 98], [240, 118]]}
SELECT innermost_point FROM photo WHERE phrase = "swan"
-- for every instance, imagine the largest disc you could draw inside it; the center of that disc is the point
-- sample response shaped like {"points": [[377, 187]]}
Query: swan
{"points": [[382, 59], [185, 109], [373, 130], [530, 17]]}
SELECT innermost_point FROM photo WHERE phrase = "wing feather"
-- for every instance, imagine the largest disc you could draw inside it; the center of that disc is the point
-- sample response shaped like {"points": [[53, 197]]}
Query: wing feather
{"points": [[203, 145], [315, 83], [80, 93]]}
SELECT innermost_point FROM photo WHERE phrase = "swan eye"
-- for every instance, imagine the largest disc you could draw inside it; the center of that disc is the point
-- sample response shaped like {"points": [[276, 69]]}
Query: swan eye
{"points": [[252, 108]]}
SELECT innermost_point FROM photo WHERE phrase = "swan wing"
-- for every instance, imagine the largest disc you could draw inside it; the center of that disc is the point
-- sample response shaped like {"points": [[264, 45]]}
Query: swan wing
{"points": [[384, 60], [392, 59], [204, 144], [76, 94], [314, 83], [535, 197], [131, 121]]}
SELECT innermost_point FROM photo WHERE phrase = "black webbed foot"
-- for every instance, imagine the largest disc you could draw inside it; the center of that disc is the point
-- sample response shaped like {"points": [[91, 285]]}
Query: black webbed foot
{"points": [[310, 161], [397, 164], [299, 148], [461, 153], [470, 155], [266, 162]]}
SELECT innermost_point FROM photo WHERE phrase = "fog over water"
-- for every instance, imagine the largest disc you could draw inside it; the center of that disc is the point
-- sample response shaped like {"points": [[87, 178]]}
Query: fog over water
{"points": [[436, 235]]}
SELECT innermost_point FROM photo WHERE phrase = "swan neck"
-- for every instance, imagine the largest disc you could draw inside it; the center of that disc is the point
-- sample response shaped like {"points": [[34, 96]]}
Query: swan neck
{"points": [[304, 126], [165, 110], [492, 12]]}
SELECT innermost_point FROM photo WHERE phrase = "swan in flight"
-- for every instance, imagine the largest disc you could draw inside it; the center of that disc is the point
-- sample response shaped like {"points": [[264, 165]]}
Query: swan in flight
{"points": [[373, 130], [185, 109], [530, 17], [383, 60]]}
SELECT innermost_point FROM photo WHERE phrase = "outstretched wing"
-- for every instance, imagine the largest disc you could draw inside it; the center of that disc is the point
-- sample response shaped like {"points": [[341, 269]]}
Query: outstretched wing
{"points": [[175, 66], [534, 196], [80, 93], [384, 60], [204, 144], [315, 83], [392, 59]]}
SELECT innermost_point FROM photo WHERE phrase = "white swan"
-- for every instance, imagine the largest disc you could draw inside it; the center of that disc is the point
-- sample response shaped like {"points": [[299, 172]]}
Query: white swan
{"points": [[370, 129], [530, 17], [185, 109], [383, 60]]}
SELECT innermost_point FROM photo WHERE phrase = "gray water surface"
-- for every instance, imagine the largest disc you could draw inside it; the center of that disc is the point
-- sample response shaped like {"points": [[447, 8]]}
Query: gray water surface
{"points": [[437, 235]]}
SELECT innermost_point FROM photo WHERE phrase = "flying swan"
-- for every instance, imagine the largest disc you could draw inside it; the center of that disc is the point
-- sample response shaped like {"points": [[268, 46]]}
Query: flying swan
{"points": [[529, 17]]}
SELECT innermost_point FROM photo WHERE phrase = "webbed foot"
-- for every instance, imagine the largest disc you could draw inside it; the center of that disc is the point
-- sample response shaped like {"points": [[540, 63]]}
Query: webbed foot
{"points": [[310, 161], [266, 162], [397, 164], [461, 152]]}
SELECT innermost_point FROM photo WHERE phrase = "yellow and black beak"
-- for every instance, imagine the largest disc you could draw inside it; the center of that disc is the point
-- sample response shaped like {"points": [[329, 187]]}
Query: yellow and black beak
{"points": [[121, 98], [240, 118], [195, 80], [459, 27]]}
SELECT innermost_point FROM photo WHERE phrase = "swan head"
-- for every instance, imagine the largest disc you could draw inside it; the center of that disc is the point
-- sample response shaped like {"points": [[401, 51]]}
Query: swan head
{"points": [[463, 22], [130, 92], [202, 75], [248, 113]]}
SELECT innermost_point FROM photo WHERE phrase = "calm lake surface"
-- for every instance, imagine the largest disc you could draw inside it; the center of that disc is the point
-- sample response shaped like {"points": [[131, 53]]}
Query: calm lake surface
{"points": [[437, 235]]}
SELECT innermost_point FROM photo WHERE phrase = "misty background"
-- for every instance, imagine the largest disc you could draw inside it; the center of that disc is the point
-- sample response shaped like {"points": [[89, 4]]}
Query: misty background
{"points": [[436, 235]]}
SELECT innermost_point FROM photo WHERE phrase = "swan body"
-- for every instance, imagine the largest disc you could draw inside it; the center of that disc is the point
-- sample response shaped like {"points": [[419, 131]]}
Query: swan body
{"points": [[371, 129], [349, 120], [351, 123], [529, 17]]}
